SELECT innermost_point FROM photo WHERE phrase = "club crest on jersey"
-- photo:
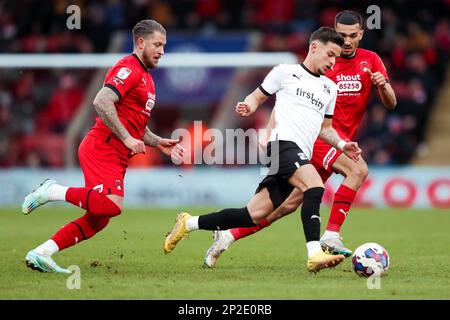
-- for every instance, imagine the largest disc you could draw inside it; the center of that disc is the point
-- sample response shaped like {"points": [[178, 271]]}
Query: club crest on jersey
{"points": [[123, 73], [326, 89], [363, 65]]}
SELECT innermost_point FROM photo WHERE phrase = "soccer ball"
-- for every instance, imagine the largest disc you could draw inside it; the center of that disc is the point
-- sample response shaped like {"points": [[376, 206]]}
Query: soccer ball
{"points": [[370, 259]]}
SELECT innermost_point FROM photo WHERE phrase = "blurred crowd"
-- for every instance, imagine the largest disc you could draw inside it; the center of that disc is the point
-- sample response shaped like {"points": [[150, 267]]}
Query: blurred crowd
{"points": [[37, 105]]}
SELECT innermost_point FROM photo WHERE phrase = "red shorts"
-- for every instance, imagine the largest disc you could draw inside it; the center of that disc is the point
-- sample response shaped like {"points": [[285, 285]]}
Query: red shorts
{"points": [[323, 158], [103, 166]]}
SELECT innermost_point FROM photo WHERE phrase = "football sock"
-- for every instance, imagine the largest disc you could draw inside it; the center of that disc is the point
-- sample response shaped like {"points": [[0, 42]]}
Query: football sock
{"points": [[343, 199], [311, 213], [239, 233], [226, 219], [57, 192], [330, 235], [48, 248], [192, 223], [313, 247], [78, 230], [92, 201]]}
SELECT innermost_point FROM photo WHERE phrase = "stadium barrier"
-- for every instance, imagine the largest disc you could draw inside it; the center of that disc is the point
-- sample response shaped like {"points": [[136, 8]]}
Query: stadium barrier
{"points": [[171, 60], [408, 187]]}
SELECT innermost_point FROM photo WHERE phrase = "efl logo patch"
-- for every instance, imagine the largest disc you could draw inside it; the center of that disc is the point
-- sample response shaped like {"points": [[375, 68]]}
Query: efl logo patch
{"points": [[123, 73]]}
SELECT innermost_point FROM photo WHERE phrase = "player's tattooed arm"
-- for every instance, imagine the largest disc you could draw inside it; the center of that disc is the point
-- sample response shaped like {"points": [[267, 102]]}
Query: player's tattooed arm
{"points": [[150, 139], [170, 147], [329, 135], [106, 110], [104, 105]]}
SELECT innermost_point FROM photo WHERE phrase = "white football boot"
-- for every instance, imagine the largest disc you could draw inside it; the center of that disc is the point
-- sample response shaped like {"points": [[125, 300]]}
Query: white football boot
{"points": [[222, 240]]}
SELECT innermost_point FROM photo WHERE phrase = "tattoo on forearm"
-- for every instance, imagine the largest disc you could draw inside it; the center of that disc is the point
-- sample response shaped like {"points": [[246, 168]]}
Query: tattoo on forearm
{"points": [[106, 110], [330, 136], [150, 139]]}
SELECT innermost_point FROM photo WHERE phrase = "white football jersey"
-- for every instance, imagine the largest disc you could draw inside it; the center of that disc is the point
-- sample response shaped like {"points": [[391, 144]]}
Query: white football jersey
{"points": [[303, 99]]}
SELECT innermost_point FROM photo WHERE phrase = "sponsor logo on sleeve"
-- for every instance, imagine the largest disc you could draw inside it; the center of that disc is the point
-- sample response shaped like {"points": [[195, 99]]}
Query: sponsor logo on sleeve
{"points": [[149, 104], [123, 73]]}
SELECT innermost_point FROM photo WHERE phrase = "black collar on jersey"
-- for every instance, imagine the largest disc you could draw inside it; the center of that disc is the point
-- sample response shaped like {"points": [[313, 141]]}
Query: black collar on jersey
{"points": [[140, 62], [309, 71]]}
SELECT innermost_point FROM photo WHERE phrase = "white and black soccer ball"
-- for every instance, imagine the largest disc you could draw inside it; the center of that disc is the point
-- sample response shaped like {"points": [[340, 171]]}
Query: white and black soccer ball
{"points": [[370, 259]]}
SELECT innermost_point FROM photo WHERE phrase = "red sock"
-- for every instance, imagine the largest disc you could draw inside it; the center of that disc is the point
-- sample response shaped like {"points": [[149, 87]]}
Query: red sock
{"points": [[343, 199], [239, 233], [78, 230], [92, 201]]}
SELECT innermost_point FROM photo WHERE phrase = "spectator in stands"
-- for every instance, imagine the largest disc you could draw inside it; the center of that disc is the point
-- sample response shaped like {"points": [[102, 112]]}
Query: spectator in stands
{"points": [[64, 103]]}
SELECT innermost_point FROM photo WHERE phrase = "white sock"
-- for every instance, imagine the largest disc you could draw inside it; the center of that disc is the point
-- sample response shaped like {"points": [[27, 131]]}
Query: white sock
{"points": [[313, 247], [48, 248], [192, 223], [57, 192], [330, 235], [228, 235]]}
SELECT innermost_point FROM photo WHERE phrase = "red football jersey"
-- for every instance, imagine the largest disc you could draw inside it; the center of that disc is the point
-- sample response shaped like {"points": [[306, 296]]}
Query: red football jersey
{"points": [[354, 89], [131, 81]]}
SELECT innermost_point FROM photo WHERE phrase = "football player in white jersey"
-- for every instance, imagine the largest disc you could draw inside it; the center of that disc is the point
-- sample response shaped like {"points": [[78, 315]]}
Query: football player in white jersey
{"points": [[304, 108]]}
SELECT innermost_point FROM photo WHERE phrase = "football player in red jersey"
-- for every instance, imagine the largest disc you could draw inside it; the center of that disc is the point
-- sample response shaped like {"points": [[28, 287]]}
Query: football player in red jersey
{"points": [[123, 105], [356, 72]]}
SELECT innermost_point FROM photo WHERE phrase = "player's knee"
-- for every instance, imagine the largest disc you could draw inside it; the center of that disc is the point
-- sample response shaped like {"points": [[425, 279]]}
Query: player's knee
{"points": [[116, 209], [101, 205], [111, 209], [257, 216], [359, 172], [314, 193]]}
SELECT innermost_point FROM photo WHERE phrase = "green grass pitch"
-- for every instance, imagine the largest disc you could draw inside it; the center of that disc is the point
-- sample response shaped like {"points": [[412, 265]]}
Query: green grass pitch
{"points": [[126, 261]]}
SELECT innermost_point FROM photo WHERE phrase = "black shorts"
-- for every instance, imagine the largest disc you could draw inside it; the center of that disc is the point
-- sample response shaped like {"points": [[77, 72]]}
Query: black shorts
{"points": [[282, 166]]}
